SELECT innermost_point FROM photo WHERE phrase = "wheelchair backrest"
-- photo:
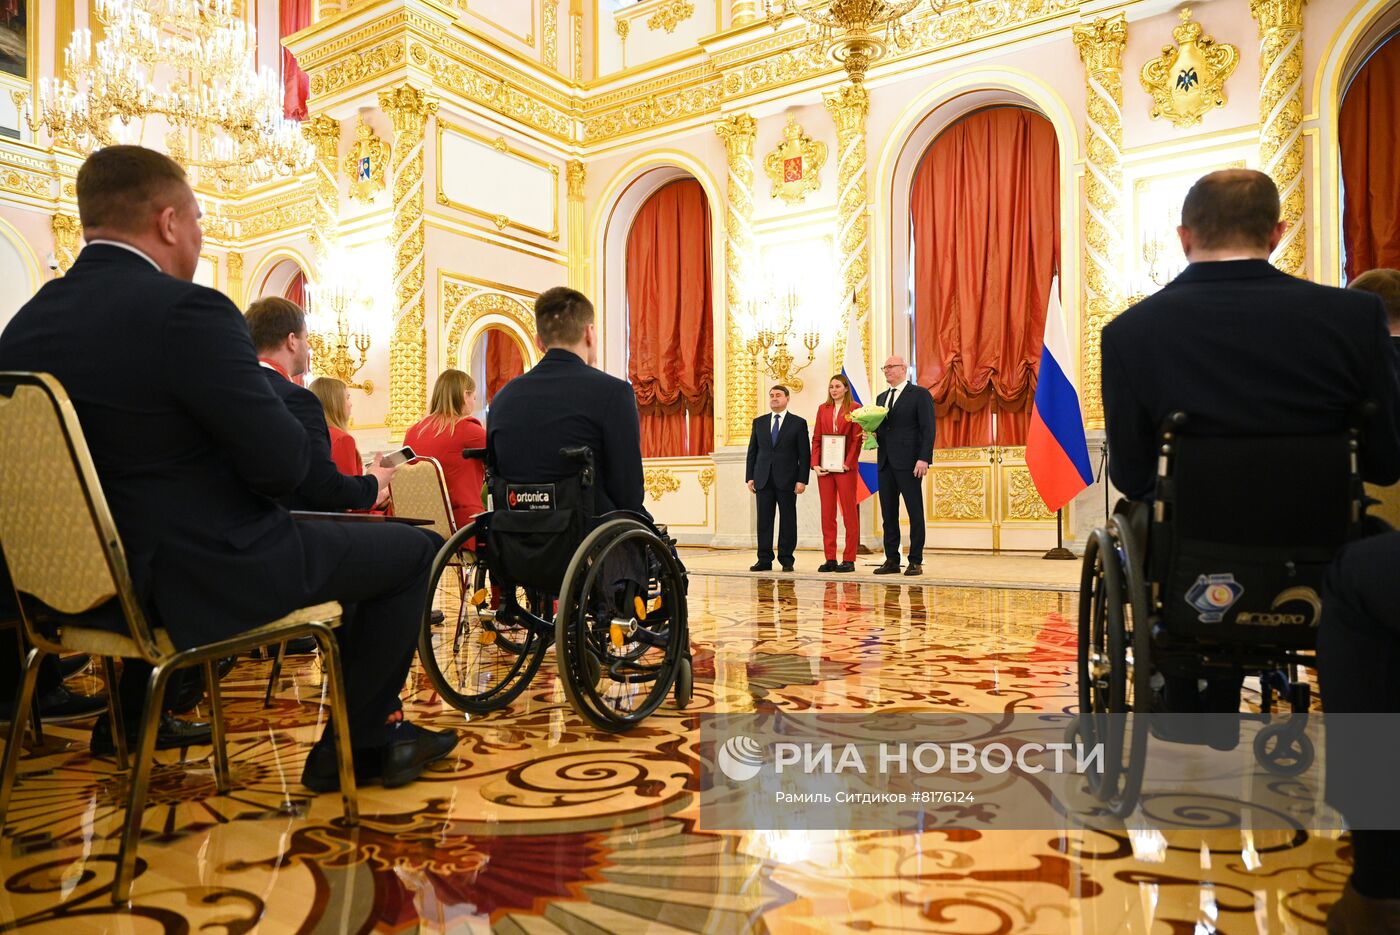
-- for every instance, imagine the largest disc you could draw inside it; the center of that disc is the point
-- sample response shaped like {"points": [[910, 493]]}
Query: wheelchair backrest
{"points": [[1244, 528], [534, 528]]}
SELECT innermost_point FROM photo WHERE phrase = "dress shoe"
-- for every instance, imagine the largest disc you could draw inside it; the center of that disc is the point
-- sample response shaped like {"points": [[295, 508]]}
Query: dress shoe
{"points": [[827, 566], [889, 568], [435, 617], [172, 734], [787, 567], [60, 704], [399, 762], [69, 666], [846, 567], [913, 570], [761, 566]]}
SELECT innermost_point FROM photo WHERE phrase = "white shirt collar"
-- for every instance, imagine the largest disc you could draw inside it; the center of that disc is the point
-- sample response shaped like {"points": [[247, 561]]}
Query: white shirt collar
{"points": [[899, 387], [126, 246], [778, 415]]}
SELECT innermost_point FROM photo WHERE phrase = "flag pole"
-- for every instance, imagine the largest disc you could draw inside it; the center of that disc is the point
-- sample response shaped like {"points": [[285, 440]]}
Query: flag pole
{"points": [[1059, 552]]}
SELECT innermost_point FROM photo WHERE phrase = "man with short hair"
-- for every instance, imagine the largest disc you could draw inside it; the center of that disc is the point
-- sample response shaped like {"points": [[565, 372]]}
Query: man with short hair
{"points": [[278, 328], [905, 451], [776, 470], [192, 448], [564, 401], [1386, 284]]}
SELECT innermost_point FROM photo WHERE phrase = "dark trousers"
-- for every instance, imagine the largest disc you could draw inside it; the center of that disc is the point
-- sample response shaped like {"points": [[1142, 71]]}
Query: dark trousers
{"points": [[894, 484], [785, 502]]}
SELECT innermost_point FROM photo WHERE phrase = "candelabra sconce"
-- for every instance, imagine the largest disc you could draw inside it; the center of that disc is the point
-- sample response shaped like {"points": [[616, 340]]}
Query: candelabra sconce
{"points": [[330, 350], [769, 345]]}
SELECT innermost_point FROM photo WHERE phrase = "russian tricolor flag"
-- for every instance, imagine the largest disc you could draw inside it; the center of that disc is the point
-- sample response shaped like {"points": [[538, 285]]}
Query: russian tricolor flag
{"points": [[853, 366], [1056, 452]]}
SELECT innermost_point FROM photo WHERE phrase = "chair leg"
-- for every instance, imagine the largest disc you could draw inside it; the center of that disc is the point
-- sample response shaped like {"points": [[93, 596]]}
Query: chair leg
{"points": [[276, 673], [16, 735], [23, 646], [140, 780], [216, 727], [340, 720], [115, 713]]}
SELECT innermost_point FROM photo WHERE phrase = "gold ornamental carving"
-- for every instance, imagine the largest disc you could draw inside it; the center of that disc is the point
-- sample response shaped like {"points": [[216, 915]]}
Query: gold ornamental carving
{"points": [[1100, 45], [500, 95], [324, 134], [706, 477], [465, 303], [960, 493], [577, 20], [365, 163], [1188, 79], [794, 167], [410, 109], [1281, 119], [355, 67], [849, 107], [659, 481], [575, 176], [737, 132], [1022, 499], [235, 278], [549, 51], [67, 240], [671, 15]]}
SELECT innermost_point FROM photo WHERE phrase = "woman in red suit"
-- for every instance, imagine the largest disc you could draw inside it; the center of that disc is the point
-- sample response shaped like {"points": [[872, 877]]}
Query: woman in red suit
{"points": [[838, 486], [335, 400], [444, 432]]}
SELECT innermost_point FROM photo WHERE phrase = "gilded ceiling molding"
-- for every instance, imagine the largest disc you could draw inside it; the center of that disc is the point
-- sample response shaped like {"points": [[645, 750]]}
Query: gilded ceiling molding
{"points": [[67, 240], [498, 94], [671, 15], [738, 132], [744, 12], [849, 107], [410, 109], [1281, 119], [358, 67], [1100, 45], [324, 134]]}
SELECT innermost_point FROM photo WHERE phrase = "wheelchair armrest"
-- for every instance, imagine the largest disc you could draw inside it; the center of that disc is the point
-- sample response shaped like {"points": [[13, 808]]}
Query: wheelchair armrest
{"points": [[474, 454]]}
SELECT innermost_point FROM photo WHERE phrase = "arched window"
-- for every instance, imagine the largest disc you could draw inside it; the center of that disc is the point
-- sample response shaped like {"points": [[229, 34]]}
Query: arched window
{"points": [[1369, 130], [985, 235], [670, 349]]}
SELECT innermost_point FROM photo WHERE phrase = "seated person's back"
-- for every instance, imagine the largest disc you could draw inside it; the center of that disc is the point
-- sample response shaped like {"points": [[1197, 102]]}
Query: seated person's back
{"points": [[1243, 348], [447, 429], [565, 402]]}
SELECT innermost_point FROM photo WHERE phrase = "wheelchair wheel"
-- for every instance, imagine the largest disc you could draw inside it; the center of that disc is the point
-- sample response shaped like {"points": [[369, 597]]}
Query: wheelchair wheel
{"points": [[685, 683], [1283, 749], [484, 655], [621, 639]]}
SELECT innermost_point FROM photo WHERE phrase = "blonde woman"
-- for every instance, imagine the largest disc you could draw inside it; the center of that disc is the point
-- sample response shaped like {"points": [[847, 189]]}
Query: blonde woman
{"points": [[335, 399], [444, 432]]}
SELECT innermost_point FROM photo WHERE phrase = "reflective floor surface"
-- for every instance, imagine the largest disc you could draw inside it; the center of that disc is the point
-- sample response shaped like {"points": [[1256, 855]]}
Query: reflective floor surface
{"points": [[538, 824]]}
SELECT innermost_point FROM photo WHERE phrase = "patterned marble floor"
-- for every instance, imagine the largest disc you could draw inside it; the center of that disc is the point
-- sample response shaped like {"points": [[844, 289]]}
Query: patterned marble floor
{"points": [[540, 825]]}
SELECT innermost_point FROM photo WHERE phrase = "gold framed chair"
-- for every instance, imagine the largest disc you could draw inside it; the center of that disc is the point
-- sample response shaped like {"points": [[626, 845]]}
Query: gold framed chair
{"points": [[64, 553], [419, 489]]}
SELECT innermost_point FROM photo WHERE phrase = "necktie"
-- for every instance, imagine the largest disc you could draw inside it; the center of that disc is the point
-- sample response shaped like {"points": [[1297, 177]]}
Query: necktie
{"points": [[894, 394], [777, 425]]}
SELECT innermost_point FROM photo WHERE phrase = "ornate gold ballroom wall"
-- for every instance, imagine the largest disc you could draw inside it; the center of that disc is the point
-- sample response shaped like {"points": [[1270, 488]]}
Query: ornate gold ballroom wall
{"points": [[521, 134]]}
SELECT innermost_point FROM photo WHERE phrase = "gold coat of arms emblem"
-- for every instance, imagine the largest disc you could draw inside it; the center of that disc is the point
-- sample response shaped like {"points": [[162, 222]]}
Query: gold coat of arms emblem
{"points": [[1188, 79], [795, 165], [366, 162]]}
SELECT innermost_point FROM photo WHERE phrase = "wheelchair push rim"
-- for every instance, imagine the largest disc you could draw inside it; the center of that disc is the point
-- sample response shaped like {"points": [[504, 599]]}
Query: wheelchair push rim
{"points": [[482, 657], [616, 667]]}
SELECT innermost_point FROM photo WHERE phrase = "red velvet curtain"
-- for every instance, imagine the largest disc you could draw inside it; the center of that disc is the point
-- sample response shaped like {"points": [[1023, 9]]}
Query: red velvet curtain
{"points": [[985, 210], [1370, 140], [670, 351], [296, 16], [296, 290], [503, 362]]}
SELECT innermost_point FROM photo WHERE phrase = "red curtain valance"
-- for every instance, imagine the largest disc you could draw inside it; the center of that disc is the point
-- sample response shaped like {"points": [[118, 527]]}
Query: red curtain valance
{"points": [[985, 210]]}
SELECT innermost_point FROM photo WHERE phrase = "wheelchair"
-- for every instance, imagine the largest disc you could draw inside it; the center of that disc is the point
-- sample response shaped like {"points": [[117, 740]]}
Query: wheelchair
{"points": [[539, 568], [1218, 577]]}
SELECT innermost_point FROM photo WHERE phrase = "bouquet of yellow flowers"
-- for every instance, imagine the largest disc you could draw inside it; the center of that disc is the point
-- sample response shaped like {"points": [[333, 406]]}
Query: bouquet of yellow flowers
{"points": [[869, 418]]}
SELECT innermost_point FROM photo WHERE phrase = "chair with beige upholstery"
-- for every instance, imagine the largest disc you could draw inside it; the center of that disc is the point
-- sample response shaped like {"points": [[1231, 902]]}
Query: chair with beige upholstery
{"points": [[419, 489], [65, 555]]}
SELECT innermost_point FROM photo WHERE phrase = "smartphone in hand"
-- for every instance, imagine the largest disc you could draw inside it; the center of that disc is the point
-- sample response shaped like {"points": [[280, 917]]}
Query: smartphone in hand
{"points": [[396, 458]]}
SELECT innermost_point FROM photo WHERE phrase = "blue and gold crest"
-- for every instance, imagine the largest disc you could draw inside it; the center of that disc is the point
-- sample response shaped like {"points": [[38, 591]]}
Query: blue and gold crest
{"points": [[365, 165]]}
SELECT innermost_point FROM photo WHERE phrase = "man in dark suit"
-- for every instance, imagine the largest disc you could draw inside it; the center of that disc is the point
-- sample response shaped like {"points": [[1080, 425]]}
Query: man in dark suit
{"points": [[278, 328], [779, 464], [193, 448], [906, 450], [564, 401], [1386, 284]]}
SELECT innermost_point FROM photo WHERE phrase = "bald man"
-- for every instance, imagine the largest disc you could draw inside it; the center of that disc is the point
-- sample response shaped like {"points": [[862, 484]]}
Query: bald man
{"points": [[906, 449]]}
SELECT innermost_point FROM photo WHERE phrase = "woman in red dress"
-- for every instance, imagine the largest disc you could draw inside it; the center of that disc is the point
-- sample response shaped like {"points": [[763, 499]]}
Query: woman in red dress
{"points": [[335, 400], [444, 432], [838, 486]]}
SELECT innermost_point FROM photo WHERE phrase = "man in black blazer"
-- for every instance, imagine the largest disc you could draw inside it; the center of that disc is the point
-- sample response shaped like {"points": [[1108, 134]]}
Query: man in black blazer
{"points": [[565, 401], [278, 328], [1244, 349], [193, 448], [906, 450], [778, 467]]}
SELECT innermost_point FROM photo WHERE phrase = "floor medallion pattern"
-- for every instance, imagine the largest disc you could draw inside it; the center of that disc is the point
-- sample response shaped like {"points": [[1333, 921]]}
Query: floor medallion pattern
{"points": [[538, 824]]}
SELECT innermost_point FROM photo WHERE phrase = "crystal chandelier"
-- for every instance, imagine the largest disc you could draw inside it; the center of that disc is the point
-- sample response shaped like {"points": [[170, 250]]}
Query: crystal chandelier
{"points": [[855, 33], [190, 63]]}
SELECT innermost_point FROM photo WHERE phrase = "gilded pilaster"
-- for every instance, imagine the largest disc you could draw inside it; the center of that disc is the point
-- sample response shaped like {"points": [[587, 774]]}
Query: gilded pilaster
{"points": [[849, 107], [549, 51], [738, 134], [324, 134], [235, 278], [575, 174], [410, 109], [1100, 45], [1281, 119], [743, 12], [67, 240]]}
